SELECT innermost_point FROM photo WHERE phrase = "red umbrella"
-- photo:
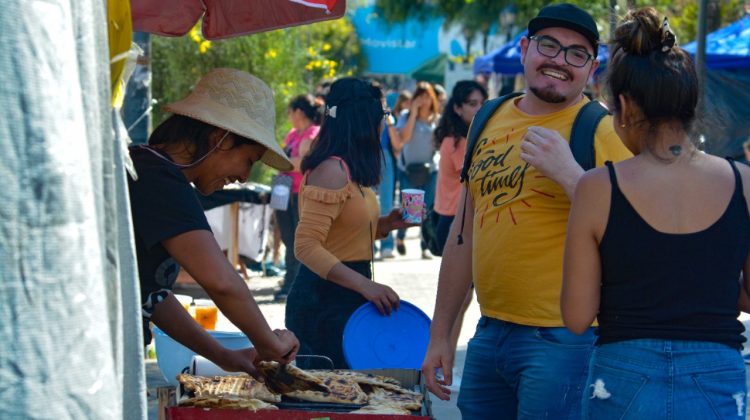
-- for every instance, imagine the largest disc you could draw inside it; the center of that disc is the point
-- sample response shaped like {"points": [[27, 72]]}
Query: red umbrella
{"points": [[228, 18]]}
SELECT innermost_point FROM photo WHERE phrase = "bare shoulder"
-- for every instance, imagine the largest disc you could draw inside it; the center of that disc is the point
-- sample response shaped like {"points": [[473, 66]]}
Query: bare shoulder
{"points": [[330, 174], [593, 183]]}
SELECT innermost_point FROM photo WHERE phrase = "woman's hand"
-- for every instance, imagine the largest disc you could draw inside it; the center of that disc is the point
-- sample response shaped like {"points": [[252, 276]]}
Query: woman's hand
{"points": [[382, 296], [419, 102], [394, 220]]}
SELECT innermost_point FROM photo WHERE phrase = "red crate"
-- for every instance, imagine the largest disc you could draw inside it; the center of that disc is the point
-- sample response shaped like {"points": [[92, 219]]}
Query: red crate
{"points": [[192, 413]]}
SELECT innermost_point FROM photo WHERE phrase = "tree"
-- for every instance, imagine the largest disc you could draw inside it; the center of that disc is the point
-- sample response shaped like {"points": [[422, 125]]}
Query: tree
{"points": [[292, 61]]}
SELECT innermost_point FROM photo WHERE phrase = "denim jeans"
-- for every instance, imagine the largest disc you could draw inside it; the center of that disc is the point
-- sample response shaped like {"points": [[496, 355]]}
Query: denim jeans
{"points": [[386, 190], [518, 371], [665, 379]]}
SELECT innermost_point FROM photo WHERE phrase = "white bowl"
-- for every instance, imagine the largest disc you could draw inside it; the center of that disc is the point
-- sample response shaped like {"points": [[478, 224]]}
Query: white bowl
{"points": [[172, 357]]}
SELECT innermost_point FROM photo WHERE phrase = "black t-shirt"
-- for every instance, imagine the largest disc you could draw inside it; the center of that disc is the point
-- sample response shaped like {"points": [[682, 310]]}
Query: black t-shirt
{"points": [[163, 205]]}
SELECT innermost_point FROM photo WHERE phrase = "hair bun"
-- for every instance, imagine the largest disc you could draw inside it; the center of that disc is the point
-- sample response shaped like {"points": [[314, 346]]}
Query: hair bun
{"points": [[668, 38], [642, 32]]}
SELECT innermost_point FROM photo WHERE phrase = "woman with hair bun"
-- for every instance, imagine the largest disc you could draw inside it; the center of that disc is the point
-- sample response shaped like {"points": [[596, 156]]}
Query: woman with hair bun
{"points": [[657, 245], [339, 221]]}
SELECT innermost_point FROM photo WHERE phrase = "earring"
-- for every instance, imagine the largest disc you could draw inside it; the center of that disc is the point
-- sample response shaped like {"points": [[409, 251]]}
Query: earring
{"points": [[623, 125]]}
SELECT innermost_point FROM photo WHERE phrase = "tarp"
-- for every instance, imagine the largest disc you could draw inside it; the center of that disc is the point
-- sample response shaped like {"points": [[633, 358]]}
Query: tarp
{"points": [[507, 59], [728, 47], [69, 299], [432, 71], [228, 18]]}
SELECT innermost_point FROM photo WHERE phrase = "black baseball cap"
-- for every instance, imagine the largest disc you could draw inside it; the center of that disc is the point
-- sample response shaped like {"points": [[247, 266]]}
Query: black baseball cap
{"points": [[568, 16]]}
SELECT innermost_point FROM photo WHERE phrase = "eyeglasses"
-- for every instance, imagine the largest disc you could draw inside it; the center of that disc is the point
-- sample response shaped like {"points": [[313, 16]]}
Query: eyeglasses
{"points": [[550, 47]]}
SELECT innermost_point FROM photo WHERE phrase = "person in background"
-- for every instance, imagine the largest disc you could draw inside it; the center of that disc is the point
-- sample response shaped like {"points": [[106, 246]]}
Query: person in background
{"points": [[321, 91], [305, 117], [208, 143], [450, 139], [442, 97], [746, 148], [339, 222], [390, 143], [656, 245], [416, 165], [522, 362]]}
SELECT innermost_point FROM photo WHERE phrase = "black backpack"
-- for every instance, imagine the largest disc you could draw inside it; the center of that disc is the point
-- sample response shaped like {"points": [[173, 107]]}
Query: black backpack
{"points": [[581, 136]]}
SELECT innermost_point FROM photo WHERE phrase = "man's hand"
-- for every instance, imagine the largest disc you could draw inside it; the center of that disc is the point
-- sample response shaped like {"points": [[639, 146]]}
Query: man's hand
{"points": [[439, 355], [548, 152], [285, 349], [242, 360]]}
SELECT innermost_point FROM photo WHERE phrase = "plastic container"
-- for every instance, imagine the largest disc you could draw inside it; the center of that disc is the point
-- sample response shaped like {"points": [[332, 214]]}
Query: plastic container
{"points": [[172, 357], [397, 341], [185, 300]]}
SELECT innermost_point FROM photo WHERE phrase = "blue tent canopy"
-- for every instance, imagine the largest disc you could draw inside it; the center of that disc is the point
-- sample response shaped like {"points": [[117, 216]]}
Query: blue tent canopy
{"points": [[728, 47], [507, 59]]}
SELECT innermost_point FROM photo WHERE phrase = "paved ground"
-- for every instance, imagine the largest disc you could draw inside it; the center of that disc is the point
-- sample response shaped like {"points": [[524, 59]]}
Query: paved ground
{"points": [[414, 279]]}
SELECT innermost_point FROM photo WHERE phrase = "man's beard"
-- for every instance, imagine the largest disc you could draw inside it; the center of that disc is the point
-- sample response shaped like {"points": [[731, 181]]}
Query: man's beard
{"points": [[548, 94]]}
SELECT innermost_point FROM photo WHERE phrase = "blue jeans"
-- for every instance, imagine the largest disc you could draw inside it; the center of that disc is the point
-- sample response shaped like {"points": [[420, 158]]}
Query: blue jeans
{"points": [[665, 379], [386, 190], [518, 371]]}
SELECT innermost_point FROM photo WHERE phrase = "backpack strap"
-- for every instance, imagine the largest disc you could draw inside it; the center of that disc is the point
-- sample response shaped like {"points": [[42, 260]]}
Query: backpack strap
{"points": [[477, 125], [583, 132]]}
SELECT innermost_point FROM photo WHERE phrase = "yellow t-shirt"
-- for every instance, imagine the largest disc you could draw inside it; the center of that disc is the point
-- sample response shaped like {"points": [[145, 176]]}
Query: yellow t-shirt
{"points": [[520, 216]]}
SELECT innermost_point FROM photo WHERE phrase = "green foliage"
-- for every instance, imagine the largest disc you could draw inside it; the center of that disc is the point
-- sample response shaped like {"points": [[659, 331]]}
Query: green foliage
{"points": [[292, 61]]}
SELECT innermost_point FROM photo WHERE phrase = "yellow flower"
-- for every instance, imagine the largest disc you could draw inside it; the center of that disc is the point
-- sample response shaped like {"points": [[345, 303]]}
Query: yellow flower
{"points": [[290, 83], [317, 64], [326, 46], [311, 51], [349, 73], [271, 53], [194, 35], [204, 46]]}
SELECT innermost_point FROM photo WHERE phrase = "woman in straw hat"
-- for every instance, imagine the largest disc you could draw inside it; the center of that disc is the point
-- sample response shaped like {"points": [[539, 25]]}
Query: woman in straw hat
{"points": [[339, 220], [214, 137]]}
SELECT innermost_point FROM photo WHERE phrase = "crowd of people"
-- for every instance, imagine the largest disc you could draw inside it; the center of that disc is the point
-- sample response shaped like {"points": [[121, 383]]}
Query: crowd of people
{"points": [[607, 293]]}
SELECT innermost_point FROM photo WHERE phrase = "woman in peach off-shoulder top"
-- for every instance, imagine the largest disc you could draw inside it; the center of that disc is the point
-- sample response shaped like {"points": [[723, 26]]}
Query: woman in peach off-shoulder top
{"points": [[339, 220]]}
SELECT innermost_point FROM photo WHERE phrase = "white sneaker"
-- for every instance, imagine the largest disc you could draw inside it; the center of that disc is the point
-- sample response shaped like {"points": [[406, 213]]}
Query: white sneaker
{"points": [[387, 253]]}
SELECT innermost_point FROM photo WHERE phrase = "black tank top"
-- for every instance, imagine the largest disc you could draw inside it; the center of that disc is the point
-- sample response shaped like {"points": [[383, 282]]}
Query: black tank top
{"points": [[672, 286]]}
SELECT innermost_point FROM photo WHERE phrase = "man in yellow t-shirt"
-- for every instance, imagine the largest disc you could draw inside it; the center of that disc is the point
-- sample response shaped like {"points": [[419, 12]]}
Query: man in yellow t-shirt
{"points": [[522, 362]]}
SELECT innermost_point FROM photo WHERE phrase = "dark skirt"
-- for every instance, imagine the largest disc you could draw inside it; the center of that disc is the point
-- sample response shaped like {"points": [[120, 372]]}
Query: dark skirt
{"points": [[317, 311]]}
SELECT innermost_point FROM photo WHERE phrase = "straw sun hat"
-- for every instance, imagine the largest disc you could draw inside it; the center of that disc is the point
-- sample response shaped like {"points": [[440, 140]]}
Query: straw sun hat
{"points": [[239, 102]]}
